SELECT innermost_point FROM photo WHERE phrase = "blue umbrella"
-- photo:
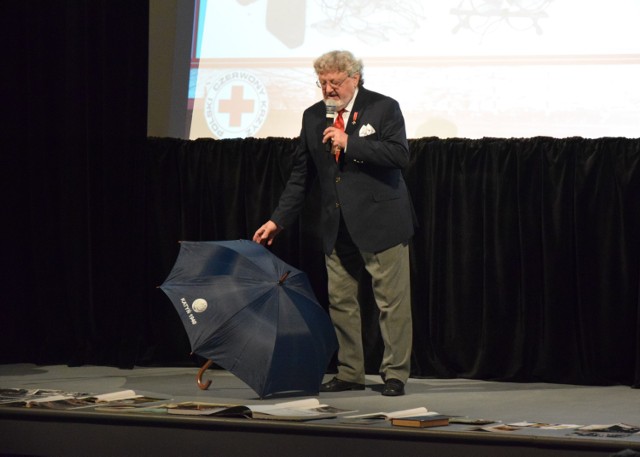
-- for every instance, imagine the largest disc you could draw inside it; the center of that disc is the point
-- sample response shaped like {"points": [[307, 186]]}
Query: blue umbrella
{"points": [[252, 314]]}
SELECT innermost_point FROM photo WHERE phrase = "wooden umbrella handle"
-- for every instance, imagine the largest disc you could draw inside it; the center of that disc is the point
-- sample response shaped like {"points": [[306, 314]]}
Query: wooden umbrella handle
{"points": [[204, 385]]}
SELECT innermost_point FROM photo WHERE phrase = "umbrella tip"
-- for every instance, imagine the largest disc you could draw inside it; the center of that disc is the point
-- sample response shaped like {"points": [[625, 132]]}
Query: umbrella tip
{"points": [[283, 277]]}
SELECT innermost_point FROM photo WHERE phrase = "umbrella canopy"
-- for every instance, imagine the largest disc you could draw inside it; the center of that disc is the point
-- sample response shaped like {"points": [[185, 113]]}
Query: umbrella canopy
{"points": [[252, 314]]}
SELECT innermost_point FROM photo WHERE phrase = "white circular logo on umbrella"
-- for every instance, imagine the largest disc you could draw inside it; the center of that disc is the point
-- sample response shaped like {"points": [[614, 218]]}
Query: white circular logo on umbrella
{"points": [[199, 305]]}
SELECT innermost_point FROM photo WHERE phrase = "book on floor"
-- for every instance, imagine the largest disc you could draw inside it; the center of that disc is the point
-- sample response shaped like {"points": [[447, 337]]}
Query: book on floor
{"points": [[470, 420], [384, 416], [298, 410], [422, 421], [70, 400]]}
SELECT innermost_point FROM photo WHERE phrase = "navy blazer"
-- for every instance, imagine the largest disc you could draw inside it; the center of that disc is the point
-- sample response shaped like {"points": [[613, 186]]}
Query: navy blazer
{"points": [[366, 186]]}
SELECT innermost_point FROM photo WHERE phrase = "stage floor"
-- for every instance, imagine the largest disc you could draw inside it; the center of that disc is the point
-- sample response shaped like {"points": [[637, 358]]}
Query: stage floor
{"points": [[504, 403]]}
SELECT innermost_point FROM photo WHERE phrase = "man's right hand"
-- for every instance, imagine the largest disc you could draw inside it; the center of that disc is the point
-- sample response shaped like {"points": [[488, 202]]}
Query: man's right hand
{"points": [[266, 233]]}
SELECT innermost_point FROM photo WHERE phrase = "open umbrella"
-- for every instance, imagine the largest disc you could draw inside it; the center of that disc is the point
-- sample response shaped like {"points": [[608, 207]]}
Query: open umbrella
{"points": [[252, 314]]}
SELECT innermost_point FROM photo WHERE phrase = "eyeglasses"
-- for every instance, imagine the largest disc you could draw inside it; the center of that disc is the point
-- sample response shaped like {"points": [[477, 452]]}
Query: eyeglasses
{"points": [[333, 84]]}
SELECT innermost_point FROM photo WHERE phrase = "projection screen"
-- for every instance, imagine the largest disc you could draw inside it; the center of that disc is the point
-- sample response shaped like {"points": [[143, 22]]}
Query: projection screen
{"points": [[459, 68]]}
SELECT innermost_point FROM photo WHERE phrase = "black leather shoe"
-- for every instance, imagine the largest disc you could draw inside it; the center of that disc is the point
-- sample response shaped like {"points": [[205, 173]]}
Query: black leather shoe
{"points": [[336, 385], [393, 388]]}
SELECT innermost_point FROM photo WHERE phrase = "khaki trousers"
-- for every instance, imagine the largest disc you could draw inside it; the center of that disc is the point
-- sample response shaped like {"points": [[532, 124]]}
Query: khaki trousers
{"points": [[390, 275]]}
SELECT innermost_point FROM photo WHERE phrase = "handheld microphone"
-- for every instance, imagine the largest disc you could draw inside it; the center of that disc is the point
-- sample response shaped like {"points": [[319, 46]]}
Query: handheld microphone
{"points": [[331, 110]]}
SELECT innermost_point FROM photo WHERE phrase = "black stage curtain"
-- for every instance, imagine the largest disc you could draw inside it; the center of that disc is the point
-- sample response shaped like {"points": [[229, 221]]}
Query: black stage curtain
{"points": [[525, 263], [75, 96]]}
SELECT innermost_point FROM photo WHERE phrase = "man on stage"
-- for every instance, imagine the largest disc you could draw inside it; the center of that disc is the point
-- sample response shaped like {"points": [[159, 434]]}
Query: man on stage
{"points": [[367, 215]]}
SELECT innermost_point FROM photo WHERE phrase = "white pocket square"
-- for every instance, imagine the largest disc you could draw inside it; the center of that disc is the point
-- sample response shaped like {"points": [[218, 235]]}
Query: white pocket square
{"points": [[367, 130]]}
